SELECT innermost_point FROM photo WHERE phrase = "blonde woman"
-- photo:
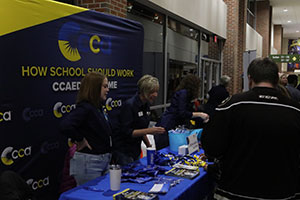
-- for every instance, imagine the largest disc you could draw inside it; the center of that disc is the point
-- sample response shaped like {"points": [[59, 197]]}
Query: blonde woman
{"points": [[134, 120]]}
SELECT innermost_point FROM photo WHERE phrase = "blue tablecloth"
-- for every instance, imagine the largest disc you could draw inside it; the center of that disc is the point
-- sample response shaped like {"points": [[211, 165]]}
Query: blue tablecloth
{"points": [[197, 188]]}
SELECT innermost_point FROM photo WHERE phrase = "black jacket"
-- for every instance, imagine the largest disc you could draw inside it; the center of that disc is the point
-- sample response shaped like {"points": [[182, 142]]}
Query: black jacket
{"points": [[256, 136], [134, 115], [88, 122]]}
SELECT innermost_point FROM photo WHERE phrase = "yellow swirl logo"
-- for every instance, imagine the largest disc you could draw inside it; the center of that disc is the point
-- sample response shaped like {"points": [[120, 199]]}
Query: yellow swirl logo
{"points": [[67, 41], [68, 51], [59, 109], [9, 154], [72, 42]]}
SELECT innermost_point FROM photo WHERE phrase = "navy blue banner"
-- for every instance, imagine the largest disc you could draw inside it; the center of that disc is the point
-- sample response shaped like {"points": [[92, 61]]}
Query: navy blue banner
{"points": [[40, 71]]}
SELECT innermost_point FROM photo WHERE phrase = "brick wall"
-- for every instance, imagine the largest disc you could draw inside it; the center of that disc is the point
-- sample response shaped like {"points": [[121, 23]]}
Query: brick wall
{"points": [[278, 41], [113, 7], [214, 49], [263, 25], [235, 43], [278, 38]]}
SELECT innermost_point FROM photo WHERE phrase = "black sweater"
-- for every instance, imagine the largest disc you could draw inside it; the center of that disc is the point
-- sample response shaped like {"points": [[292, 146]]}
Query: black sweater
{"points": [[256, 137]]}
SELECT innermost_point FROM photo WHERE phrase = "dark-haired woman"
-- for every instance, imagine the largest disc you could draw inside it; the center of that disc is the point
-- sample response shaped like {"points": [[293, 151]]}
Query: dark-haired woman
{"points": [[180, 112]]}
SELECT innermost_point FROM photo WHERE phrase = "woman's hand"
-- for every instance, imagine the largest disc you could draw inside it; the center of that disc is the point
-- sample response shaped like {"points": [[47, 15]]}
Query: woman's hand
{"points": [[82, 144], [203, 115], [156, 130]]}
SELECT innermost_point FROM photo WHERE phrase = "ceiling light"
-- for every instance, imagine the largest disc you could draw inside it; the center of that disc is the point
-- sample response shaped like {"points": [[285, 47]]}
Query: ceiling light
{"points": [[285, 10], [289, 21], [297, 31]]}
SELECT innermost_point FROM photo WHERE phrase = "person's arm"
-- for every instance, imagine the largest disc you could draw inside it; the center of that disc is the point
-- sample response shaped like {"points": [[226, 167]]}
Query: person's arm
{"points": [[127, 119], [152, 131], [70, 127], [202, 115], [146, 141]]}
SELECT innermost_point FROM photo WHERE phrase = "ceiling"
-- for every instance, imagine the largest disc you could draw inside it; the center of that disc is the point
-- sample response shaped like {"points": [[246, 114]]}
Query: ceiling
{"points": [[290, 19]]}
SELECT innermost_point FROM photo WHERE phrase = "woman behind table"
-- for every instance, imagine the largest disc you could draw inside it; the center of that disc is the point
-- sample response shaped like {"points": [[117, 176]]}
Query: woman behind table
{"points": [[180, 112], [134, 120], [89, 128]]}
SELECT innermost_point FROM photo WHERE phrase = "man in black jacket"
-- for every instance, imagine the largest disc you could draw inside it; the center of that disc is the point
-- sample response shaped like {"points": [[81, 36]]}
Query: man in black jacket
{"points": [[217, 94], [256, 137]]}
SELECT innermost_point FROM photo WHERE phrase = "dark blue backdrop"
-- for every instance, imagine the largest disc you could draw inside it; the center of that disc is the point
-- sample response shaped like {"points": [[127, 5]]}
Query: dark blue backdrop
{"points": [[40, 70]]}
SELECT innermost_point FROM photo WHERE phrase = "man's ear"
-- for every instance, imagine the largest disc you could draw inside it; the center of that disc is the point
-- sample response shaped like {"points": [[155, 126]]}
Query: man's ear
{"points": [[250, 82]]}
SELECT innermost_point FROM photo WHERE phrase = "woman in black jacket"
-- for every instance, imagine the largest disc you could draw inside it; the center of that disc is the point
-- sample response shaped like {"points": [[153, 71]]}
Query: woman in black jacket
{"points": [[88, 126]]}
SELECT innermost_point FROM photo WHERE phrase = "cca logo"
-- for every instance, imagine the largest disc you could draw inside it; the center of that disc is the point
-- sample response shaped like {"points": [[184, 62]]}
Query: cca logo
{"points": [[6, 116], [110, 103], [28, 114], [71, 41], [9, 154], [46, 147], [59, 109], [38, 184]]}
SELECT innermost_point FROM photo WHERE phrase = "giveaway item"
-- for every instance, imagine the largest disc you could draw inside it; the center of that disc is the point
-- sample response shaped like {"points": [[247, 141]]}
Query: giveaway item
{"points": [[134, 194], [160, 188], [150, 156], [183, 150], [183, 173], [177, 165], [115, 177]]}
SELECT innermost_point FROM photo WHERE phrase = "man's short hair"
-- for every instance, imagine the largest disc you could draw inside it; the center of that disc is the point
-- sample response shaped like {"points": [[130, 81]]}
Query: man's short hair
{"points": [[263, 70], [292, 79]]}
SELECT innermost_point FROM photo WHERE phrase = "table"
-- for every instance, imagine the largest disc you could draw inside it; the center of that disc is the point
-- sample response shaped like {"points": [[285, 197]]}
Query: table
{"points": [[198, 188]]}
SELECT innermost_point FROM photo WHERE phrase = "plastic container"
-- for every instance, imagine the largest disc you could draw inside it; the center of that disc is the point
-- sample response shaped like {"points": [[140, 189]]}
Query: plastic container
{"points": [[198, 132], [177, 138]]}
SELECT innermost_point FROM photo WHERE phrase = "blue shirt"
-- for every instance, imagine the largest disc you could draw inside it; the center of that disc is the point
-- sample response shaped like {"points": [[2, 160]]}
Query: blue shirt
{"points": [[134, 115], [179, 113]]}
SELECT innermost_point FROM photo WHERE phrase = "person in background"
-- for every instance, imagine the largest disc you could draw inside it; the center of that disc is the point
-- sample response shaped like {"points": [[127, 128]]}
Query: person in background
{"points": [[134, 120], [217, 94], [89, 128], [281, 86], [291, 87], [252, 142], [180, 111], [14, 187], [283, 79]]}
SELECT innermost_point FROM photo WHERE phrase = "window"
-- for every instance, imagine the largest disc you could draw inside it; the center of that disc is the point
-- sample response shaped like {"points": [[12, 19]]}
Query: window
{"points": [[153, 57], [251, 13]]}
